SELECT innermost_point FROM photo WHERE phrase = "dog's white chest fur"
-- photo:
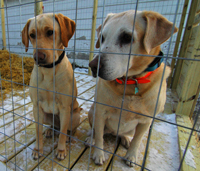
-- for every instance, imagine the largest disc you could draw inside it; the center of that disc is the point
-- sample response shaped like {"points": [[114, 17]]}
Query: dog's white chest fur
{"points": [[48, 100], [50, 106]]}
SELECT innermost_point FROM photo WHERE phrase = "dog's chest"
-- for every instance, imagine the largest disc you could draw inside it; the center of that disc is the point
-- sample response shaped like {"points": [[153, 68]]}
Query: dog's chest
{"points": [[47, 95], [49, 100], [134, 109]]}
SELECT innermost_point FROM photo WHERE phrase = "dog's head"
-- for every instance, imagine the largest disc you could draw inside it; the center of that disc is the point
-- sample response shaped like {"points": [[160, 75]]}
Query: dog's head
{"points": [[151, 29], [40, 31]]}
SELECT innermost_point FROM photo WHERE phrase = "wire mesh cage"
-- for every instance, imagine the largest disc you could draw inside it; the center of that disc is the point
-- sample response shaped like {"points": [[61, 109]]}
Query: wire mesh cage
{"points": [[56, 116]]}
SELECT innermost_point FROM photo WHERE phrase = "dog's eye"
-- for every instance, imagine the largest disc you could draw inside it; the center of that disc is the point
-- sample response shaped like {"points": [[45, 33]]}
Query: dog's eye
{"points": [[125, 38], [32, 36], [102, 39], [49, 32]]}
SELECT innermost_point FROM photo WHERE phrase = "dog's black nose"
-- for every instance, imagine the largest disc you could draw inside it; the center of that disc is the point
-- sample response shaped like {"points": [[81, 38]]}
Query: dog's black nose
{"points": [[94, 65], [40, 56]]}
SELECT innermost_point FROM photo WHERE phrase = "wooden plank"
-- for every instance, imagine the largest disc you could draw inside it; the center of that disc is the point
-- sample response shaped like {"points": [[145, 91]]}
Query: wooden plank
{"points": [[85, 105], [163, 150], [191, 160], [189, 85], [16, 95], [8, 118], [77, 147], [162, 138], [183, 74], [198, 8], [15, 127], [86, 96], [195, 102], [118, 162], [3, 28], [86, 87], [24, 160], [4, 167], [184, 45], [18, 100], [80, 77], [191, 44], [8, 105], [38, 7], [109, 146], [85, 80], [10, 147]]}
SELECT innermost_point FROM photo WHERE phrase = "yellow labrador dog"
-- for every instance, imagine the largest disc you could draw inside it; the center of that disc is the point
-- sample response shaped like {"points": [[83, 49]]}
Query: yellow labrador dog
{"points": [[144, 78], [45, 103]]}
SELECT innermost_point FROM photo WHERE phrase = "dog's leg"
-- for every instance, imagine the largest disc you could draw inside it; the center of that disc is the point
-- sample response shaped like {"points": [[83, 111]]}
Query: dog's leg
{"points": [[38, 150], [98, 155], [49, 132], [126, 138], [75, 117], [64, 124], [90, 141], [131, 154]]}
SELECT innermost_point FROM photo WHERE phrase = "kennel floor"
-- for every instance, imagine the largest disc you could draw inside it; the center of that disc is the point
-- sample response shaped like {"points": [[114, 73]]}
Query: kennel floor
{"points": [[17, 139]]}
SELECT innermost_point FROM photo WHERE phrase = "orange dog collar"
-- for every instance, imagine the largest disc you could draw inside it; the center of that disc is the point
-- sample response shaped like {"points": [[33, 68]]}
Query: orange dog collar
{"points": [[140, 80]]}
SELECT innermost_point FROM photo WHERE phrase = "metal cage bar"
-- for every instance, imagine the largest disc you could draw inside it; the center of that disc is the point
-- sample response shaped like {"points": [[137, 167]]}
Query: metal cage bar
{"points": [[75, 48]]}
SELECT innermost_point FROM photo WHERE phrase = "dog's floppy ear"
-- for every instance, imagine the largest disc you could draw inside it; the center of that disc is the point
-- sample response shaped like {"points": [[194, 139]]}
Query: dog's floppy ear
{"points": [[25, 37], [158, 30], [99, 29], [67, 28], [99, 36]]}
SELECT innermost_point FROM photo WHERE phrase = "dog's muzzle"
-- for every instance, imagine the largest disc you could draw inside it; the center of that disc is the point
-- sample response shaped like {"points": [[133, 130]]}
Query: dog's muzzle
{"points": [[40, 58], [106, 72]]}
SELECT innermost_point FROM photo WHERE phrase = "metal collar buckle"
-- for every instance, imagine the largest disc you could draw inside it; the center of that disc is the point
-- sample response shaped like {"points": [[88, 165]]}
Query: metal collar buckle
{"points": [[123, 82], [136, 85]]}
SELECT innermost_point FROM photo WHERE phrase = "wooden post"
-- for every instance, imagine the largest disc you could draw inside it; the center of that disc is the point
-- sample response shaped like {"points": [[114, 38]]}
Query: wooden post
{"points": [[188, 83], [180, 30], [38, 7], [195, 101], [3, 25], [94, 17], [185, 42]]}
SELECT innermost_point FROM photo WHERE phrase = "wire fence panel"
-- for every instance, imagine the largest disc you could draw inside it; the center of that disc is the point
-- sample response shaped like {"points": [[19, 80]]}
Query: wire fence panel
{"points": [[64, 119]]}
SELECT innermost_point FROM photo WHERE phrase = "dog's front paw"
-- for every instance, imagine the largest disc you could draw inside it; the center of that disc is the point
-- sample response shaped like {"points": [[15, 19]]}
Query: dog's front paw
{"points": [[98, 157], [36, 153], [61, 154], [88, 141], [130, 159]]}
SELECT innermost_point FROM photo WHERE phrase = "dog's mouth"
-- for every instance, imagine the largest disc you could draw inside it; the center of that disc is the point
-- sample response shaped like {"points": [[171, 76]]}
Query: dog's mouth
{"points": [[40, 63], [104, 75]]}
